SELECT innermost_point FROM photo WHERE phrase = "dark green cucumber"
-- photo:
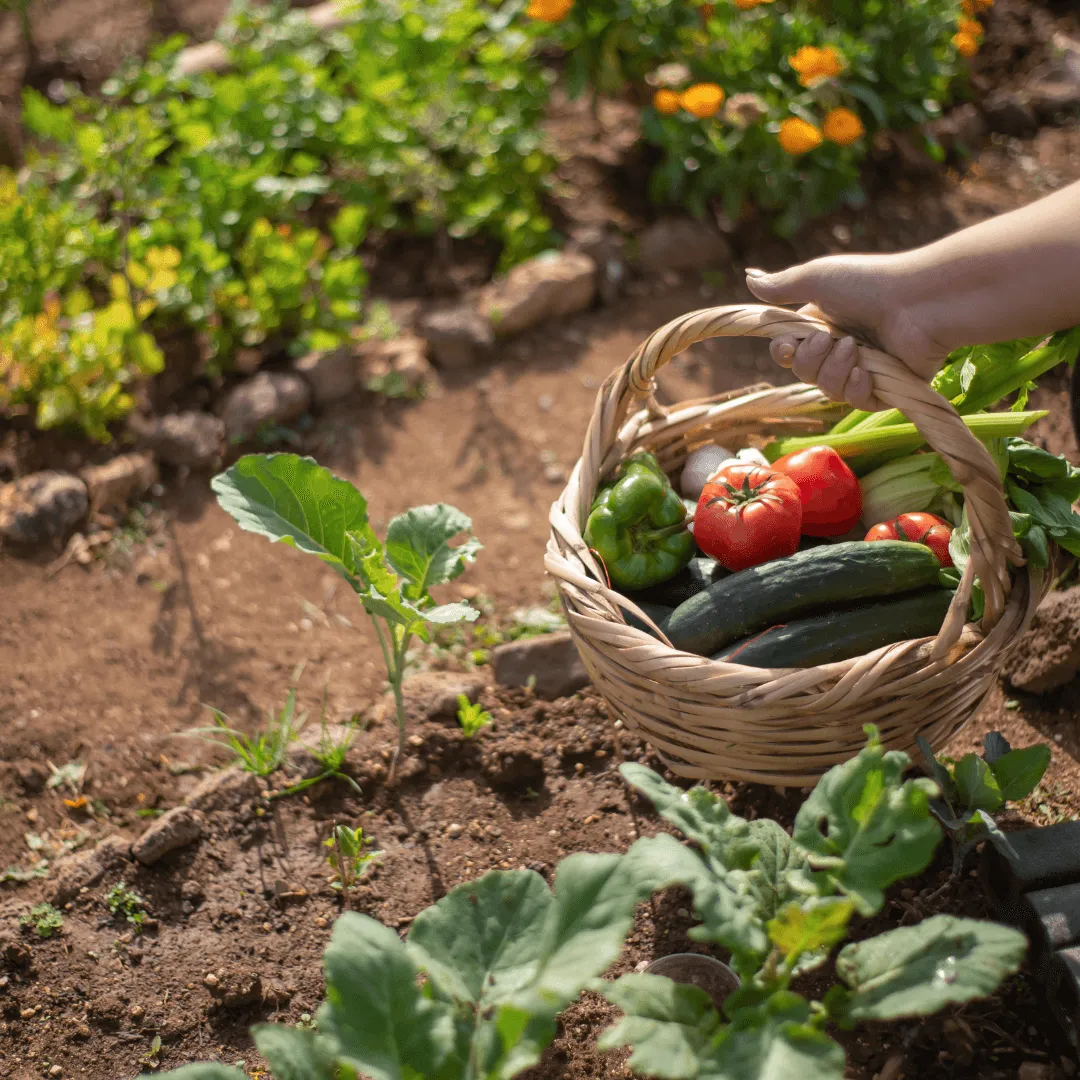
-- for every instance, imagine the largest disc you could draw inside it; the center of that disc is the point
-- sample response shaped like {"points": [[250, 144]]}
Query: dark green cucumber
{"points": [[840, 635], [659, 613], [806, 583], [695, 577]]}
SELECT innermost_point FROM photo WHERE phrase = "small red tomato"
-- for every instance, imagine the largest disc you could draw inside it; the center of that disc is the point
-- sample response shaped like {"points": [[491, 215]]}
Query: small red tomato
{"points": [[918, 528], [830, 492], [748, 515]]}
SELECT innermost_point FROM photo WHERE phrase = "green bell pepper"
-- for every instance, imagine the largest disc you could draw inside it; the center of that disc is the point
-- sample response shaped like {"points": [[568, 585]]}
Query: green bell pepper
{"points": [[637, 525]]}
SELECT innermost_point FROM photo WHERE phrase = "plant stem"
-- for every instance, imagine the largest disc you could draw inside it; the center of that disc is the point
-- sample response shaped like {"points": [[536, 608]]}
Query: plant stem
{"points": [[343, 873]]}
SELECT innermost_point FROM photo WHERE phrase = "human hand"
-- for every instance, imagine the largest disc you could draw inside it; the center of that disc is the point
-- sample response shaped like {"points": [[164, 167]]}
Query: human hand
{"points": [[873, 296]]}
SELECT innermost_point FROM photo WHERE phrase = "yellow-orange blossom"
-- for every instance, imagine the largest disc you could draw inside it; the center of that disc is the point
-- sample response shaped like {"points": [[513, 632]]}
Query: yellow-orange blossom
{"points": [[797, 136], [549, 10], [966, 44], [702, 99], [813, 64], [843, 126], [666, 102]]}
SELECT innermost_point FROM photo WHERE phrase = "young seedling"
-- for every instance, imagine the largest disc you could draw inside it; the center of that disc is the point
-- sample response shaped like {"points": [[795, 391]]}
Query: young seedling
{"points": [[974, 788], [263, 752], [43, 919], [471, 717], [122, 900], [152, 1058], [474, 991], [782, 904], [331, 754], [348, 858], [293, 499]]}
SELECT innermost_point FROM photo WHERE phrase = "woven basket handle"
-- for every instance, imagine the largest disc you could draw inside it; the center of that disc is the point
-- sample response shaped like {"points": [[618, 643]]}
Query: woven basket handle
{"points": [[993, 546]]}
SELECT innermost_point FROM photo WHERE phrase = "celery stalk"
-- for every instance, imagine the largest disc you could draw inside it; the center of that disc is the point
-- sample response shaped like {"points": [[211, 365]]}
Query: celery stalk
{"points": [[998, 373], [885, 443]]}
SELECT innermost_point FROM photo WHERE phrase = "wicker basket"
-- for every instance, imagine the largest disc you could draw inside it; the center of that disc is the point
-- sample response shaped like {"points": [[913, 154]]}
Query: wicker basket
{"points": [[716, 720]]}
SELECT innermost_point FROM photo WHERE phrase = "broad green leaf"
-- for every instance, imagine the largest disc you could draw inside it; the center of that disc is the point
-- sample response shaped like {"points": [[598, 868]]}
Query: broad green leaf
{"points": [[295, 500], [776, 873], [1019, 771], [393, 609], [917, 970], [940, 774], [451, 613], [418, 546], [976, 786], [383, 1023], [774, 1041], [482, 940], [724, 901], [804, 932], [294, 1054], [206, 1071], [701, 816], [669, 1025], [865, 827]]}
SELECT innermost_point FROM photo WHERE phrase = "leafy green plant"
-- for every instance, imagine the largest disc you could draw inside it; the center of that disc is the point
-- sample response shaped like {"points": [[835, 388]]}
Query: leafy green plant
{"points": [[263, 752], [43, 919], [331, 753], [121, 899], [475, 989], [789, 135], [349, 857], [978, 786], [293, 499], [471, 717], [782, 904]]}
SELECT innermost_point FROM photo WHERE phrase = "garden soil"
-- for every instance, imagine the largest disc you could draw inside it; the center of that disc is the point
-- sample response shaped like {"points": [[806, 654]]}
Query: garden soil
{"points": [[109, 666]]}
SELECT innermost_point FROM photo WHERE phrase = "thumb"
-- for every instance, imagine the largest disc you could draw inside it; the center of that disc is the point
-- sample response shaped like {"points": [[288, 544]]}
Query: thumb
{"points": [[796, 285]]}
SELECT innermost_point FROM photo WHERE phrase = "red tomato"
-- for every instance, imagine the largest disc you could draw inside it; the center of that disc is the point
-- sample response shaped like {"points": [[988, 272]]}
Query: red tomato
{"points": [[830, 492], [919, 528], [748, 515]]}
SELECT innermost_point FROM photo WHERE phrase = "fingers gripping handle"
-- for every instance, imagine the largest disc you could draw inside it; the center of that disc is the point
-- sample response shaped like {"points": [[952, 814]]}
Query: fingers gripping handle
{"points": [[993, 547]]}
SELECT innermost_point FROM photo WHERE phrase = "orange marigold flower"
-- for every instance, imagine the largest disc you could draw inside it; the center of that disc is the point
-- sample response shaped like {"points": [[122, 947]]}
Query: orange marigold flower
{"points": [[666, 102], [551, 11], [749, 5], [702, 99], [813, 64], [707, 11], [798, 136], [843, 126], [966, 44], [971, 8], [970, 26]]}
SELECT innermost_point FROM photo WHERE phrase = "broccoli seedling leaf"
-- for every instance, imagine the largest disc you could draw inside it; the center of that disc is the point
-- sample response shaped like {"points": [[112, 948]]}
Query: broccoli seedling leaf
{"points": [[295, 1053], [976, 786], [865, 827], [670, 1025], [1019, 771], [418, 546], [916, 970]]}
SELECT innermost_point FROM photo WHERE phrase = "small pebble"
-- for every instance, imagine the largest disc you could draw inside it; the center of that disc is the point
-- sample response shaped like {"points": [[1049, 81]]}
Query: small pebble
{"points": [[56, 1070], [136, 1012], [306, 624], [454, 830], [27, 1014], [211, 980]]}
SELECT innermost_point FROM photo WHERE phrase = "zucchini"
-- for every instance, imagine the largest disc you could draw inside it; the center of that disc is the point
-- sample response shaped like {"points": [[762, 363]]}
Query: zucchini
{"points": [[659, 613], [695, 577], [806, 583], [841, 635]]}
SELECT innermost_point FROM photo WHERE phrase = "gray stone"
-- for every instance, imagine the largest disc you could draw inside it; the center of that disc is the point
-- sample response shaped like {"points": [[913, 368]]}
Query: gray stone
{"points": [[551, 286], [42, 507], [551, 659], [174, 829], [1008, 113], [459, 337], [675, 243], [331, 375], [270, 397], [117, 482], [190, 440], [85, 869], [1047, 656], [228, 789], [403, 357]]}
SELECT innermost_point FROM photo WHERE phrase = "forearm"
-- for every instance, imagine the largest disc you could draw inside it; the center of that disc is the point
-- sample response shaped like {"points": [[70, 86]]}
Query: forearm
{"points": [[1016, 275]]}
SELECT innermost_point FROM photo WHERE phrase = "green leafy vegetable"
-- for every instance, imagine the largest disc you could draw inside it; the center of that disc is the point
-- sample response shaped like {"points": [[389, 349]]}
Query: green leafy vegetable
{"points": [[295, 500]]}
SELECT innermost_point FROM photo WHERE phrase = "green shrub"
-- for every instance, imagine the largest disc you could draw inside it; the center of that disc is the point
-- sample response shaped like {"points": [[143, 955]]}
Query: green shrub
{"points": [[774, 138]]}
